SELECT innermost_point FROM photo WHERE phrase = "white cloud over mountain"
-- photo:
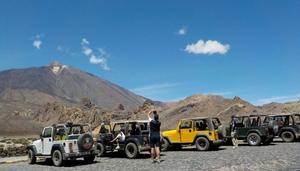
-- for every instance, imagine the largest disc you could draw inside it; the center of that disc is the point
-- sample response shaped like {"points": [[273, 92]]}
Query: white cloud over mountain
{"points": [[98, 56], [207, 47]]}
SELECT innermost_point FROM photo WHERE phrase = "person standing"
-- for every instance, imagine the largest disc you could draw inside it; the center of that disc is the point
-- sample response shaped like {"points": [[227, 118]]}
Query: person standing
{"points": [[154, 136], [233, 131]]}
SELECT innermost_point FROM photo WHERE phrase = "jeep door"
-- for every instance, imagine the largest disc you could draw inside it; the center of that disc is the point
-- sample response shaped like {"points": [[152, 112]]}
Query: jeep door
{"points": [[187, 133], [47, 138], [241, 127]]}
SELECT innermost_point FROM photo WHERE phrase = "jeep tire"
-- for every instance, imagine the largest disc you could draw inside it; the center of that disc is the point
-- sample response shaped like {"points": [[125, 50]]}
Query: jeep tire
{"points": [[131, 150], [253, 139], [202, 144], [89, 159], [57, 158], [287, 136], [165, 144], [101, 148], [31, 157]]}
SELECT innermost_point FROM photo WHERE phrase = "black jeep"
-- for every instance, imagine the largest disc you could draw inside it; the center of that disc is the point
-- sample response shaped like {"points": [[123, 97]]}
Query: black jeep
{"points": [[251, 129], [136, 138], [288, 126]]}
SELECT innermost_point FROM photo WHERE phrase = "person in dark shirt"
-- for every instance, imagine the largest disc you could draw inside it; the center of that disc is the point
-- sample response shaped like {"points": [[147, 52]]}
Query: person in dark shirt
{"points": [[103, 130], [154, 136]]}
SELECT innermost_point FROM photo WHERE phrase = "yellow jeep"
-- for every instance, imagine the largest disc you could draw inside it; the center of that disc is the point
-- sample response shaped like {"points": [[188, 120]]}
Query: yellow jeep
{"points": [[200, 131]]}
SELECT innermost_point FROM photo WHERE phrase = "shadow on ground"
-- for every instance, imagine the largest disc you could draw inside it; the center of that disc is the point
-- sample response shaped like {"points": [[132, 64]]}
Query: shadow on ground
{"points": [[68, 163], [122, 155], [194, 149]]}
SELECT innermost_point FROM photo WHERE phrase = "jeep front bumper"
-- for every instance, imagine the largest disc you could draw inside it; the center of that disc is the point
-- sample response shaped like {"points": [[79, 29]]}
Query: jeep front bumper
{"points": [[80, 154], [218, 142], [297, 135]]}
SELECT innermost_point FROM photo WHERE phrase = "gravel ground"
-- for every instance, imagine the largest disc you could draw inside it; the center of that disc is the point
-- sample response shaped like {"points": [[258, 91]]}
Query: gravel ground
{"points": [[277, 156]]}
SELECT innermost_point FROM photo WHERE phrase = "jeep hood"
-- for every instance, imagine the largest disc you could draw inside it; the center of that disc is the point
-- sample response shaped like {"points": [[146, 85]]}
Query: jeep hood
{"points": [[169, 132]]}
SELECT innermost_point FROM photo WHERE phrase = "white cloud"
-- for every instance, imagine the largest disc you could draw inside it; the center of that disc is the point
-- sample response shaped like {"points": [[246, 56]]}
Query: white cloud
{"points": [[84, 41], [279, 99], [65, 51], [87, 51], [37, 42], [225, 93], [182, 31], [209, 47], [95, 57], [152, 89]]}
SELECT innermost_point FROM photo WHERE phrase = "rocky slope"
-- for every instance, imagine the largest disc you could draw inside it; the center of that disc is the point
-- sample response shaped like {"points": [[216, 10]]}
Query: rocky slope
{"points": [[211, 105], [34, 97], [26, 95]]}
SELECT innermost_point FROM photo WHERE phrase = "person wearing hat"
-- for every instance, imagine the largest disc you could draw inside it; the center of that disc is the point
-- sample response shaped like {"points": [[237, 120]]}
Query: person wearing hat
{"points": [[154, 136]]}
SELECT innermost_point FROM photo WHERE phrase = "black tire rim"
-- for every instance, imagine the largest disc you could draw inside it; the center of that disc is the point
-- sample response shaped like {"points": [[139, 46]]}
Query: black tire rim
{"points": [[287, 136], [130, 149], [56, 157], [202, 143]]}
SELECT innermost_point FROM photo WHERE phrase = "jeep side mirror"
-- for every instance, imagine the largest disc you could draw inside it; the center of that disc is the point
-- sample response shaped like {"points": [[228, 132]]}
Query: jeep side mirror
{"points": [[41, 136]]}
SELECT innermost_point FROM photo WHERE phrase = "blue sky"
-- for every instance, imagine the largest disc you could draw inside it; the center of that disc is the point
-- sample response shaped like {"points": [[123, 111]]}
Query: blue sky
{"points": [[163, 50]]}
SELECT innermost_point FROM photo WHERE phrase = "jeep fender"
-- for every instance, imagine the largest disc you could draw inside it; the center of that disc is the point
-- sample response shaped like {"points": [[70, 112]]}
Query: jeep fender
{"points": [[58, 147], [254, 131], [33, 148], [135, 141], [167, 140], [287, 129], [200, 135]]}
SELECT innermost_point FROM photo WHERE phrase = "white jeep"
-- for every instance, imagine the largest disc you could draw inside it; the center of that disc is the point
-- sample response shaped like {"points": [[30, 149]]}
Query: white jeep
{"points": [[62, 142]]}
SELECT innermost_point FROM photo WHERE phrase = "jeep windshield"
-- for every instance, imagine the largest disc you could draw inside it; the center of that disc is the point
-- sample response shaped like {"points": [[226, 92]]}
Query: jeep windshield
{"points": [[74, 131], [297, 118]]}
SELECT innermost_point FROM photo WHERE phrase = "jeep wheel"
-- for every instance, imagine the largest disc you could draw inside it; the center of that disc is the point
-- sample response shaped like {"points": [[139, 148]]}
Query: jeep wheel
{"points": [[202, 144], [101, 149], [165, 144], [131, 150], [287, 136], [253, 139], [89, 159], [57, 158], [31, 157]]}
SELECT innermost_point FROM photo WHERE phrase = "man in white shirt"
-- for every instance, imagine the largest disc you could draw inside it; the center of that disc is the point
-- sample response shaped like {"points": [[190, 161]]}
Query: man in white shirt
{"points": [[119, 138]]}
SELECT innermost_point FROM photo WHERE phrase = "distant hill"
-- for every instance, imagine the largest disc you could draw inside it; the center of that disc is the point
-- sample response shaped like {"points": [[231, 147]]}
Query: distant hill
{"points": [[211, 105], [28, 90]]}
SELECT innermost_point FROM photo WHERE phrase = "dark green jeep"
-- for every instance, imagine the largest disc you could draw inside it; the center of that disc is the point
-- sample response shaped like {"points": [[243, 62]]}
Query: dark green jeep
{"points": [[288, 126], [136, 138], [251, 129]]}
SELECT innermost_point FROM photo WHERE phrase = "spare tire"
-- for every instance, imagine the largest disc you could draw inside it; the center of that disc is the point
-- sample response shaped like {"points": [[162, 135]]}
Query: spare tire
{"points": [[222, 131], [85, 142]]}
